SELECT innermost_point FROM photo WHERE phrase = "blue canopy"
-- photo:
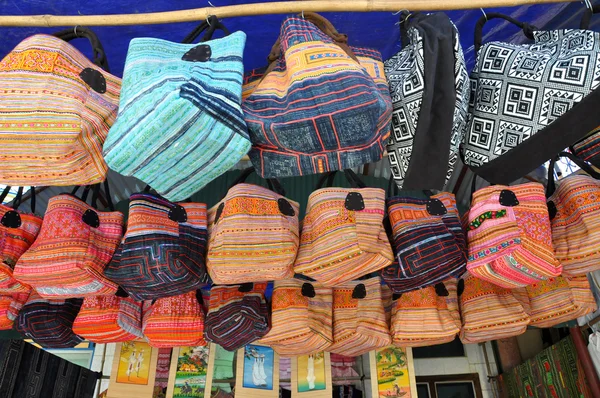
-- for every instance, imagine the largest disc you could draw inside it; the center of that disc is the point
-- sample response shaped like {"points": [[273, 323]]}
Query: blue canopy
{"points": [[375, 29]]}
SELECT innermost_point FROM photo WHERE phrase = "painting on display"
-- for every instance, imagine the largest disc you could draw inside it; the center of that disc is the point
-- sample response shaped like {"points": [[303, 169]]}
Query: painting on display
{"points": [[311, 372], [257, 372], [134, 363], [187, 377], [394, 370]]}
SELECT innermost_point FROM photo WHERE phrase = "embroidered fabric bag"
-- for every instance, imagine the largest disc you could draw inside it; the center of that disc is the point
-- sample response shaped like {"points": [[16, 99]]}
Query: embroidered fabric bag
{"points": [[530, 101], [343, 237], [430, 93], [10, 305], [63, 105], [253, 234], [18, 231], [175, 321], [180, 122], [588, 149], [74, 245], [237, 315], [574, 208], [429, 242], [489, 312], [319, 106], [109, 319], [359, 322], [49, 323], [426, 316], [301, 319], [163, 250], [509, 236]]}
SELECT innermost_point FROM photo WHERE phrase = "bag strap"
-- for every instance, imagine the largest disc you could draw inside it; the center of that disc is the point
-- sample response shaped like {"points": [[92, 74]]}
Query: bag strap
{"points": [[95, 194], [211, 24], [527, 28], [82, 32], [551, 186], [587, 16], [354, 180], [273, 183]]}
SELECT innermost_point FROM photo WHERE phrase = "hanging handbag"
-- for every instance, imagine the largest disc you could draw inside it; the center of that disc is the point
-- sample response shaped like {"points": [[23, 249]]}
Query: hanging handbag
{"points": [[529, 102], [57, 107], [489, 312], [359, 323], [574, 209], [175, 321], [180, 122], [10, 305], [49, 323], [430, 93], [163, 251], [343, 237], [109, 319], [428, 240], [74, 245], [237, 315], [558, 300], [509, 236], [427, 316], [253, 234], [301, 319], [18, 231], [320, 106], [588, 149]]}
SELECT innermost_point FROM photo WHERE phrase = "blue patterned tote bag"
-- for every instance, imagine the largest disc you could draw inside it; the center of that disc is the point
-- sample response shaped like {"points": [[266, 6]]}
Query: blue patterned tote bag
{"points": [[180, 123], [320, 106], [529, 102]]}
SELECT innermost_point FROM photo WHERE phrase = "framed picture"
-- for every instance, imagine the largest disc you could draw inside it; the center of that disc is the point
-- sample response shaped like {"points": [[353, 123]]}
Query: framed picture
{"points": [[187, 375], [393, 373], [133, 371], [257, 372], [311, 375]]}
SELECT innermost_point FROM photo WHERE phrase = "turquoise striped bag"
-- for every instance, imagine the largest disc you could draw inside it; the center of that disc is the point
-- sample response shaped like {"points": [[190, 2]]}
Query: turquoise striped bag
{"points": [[180, 123]]}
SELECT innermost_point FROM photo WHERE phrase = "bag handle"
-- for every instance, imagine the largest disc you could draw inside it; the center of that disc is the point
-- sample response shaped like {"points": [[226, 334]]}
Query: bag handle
{"points": [[83, 32], [211, 24], [95, 194], [354, 180], [587, 16], [551, 186], [18, 198], [527, 28], [274, 184]]}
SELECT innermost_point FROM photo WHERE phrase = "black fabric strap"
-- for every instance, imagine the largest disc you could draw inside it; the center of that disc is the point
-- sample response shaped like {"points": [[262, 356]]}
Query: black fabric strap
{"points": [[551, 186], [392, 189], [274, 184], [32, 203], [210, 26], [527, 29], [587, 17], [4, 194], [353, 179], [82, 32], [18, 198]]}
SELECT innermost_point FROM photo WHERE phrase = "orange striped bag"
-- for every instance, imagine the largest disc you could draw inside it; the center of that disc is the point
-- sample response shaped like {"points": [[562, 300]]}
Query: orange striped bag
{"points": [[10, 305], [509, 236], [253, 235], [74, 245], [559, 300], [175, 321], [489, 312], [427, 316], [575, 216], [18, 231], [301, 320], [57, 107], [343, 237], [359, 323]]}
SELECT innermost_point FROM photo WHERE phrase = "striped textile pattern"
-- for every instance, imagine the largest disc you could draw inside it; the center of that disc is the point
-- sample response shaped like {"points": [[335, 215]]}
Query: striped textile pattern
{"points": [[425, 317], [10, 305], [109, 319], [588, 149], [174, 322], [489, 312], [511, 246], [252, 240], [359, 324], [558, 300], [13, 243], [53, 124], [429, 248], [318, 109], [300, 325], [160, 257], [69, 256], [576, 225], [236, 318], [180, 123], [338, 245], [49, 322]]}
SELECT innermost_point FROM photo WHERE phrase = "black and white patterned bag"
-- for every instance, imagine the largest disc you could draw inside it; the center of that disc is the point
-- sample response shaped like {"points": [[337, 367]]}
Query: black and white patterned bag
{"points": [[428, 84], [529, 102]]}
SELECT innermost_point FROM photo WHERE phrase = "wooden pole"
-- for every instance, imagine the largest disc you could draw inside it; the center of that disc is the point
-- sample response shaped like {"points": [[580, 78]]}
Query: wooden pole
{"points": [[586, 361], [282, 7]]}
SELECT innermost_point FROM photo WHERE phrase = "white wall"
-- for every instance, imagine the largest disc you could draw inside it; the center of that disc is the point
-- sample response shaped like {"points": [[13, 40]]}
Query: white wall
{"points": [[108, 361]]}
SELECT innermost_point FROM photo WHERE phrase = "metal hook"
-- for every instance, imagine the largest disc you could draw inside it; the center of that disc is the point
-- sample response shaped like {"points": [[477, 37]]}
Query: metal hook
{"points": [[75, 30], [484, 14], [211, 4], [302, 14], [398, 12], [588, 5], [208, 20]]}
